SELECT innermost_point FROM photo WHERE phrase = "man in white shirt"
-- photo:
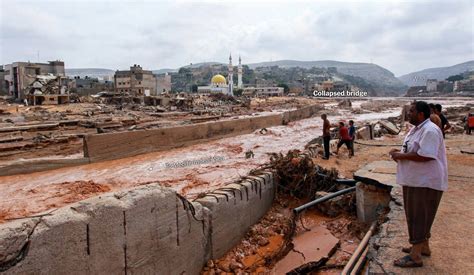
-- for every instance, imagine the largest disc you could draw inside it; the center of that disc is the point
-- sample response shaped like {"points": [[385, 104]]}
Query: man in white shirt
{"points": [[422, 171]]}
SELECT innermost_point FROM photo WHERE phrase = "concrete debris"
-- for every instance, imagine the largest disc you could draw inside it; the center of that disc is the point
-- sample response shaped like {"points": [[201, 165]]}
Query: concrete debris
{"points": [[390, 127], [345, 103]]}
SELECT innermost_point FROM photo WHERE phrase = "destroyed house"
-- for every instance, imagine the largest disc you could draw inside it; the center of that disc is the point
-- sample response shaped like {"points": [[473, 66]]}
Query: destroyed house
{"points": [[20, 76]]}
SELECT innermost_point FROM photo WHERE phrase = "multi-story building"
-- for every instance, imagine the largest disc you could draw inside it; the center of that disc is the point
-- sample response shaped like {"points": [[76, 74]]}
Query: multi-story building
{"points": [[163, 83], [431, 85], [3, 82], [21, 75], [136, 81], [89, 85]]}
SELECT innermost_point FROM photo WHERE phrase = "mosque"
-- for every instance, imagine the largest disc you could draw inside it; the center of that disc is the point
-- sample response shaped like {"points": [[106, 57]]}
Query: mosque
{"points": [[219, 84]]}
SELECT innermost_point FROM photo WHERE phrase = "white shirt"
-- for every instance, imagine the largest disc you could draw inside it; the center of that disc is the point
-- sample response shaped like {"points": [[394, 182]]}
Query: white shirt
{"points": [[426, 140]]}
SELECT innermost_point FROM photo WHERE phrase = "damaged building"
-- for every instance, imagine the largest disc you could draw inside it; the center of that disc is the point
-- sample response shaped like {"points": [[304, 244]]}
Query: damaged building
{"points": [[37, 83]]}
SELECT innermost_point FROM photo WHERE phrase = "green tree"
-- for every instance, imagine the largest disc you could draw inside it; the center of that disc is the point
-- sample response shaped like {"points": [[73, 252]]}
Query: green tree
{"points": [[456, 77], [285, 87], [238, 92]]}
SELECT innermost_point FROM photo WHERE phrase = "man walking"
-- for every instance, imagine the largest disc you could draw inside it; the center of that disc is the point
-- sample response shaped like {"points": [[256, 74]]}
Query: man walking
{"points": [[326, 135], [344, 138], [422, 171]]}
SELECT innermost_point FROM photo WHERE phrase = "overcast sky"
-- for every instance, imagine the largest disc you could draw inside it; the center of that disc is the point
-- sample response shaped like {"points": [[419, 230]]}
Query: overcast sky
{"points": [[400, 36]]}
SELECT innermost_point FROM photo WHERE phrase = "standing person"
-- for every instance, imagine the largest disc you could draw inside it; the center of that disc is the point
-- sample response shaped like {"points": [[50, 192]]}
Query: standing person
{"points": [[422, 171], [434, 117], [444, 121], [352, 134], [469, 123], [344, 138], [326, 135]]}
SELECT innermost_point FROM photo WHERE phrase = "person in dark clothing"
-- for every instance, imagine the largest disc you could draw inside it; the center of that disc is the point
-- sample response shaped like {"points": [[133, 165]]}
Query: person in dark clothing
{"points": [[344, 138], [326, 135], [444, 121], [352, 134]]}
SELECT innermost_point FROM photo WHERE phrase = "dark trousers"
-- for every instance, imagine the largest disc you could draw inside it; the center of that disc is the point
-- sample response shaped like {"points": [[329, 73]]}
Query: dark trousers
{"points": [[420, 205], [326, 140]]}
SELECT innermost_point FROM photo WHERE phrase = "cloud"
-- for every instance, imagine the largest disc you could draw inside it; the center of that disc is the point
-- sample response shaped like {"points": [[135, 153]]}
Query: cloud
{"points": [[400, 36]]}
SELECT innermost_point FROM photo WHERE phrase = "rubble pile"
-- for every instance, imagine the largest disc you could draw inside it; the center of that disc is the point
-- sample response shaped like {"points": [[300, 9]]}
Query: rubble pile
{"points": [[298, 176], [380, 105], [46, 84]]}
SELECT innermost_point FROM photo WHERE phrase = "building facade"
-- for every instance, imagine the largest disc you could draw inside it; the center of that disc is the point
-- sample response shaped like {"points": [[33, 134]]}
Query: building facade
{"points": [[136, 82], [432, 85], [263, 91], [21, 75], [163, 83]]}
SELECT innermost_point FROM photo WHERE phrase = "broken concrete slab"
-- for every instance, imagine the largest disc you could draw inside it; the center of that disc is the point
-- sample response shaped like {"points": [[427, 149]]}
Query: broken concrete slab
{"points": [[378, 173], [373, 192], [364, 133], [390, 127], [309, 247]]}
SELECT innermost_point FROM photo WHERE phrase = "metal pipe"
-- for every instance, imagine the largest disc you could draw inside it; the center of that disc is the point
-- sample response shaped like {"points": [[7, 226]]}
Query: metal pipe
{"points": [[359, 250], [360, 262], [323, 199], [350, 182]]}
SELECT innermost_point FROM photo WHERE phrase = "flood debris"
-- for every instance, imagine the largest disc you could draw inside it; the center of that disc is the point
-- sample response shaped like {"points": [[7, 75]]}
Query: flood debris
{"points": [[279, 242], [298, 176]]}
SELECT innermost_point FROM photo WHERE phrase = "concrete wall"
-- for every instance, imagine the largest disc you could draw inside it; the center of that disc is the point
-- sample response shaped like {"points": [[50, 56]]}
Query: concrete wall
{"points": [[147, 230], [142, 231], [235, 208], [31, 166], [99, 147], [305, 112]]}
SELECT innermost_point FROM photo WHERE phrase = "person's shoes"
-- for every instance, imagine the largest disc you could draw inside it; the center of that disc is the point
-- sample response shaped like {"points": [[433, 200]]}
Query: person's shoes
{"points": [[407, 261], [408, 250], [325, 158]]}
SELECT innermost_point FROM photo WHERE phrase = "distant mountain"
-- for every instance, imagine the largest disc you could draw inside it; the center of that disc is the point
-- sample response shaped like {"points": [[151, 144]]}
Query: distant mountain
{"points": [[90, 72], [419, 78], [380, 78], [162, 71], [202, 64]]}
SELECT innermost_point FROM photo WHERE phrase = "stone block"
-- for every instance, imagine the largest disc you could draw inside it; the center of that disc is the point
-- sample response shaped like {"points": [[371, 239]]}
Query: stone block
{"points": [[370, 201]]}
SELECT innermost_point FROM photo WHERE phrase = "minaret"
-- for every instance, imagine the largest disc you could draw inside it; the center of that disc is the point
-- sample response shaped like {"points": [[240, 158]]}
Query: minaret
{"points": [[231, 76], [239, 75]]}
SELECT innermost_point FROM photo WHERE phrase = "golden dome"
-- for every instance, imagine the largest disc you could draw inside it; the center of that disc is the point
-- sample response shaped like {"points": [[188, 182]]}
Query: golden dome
{"points": [[218, 79]]}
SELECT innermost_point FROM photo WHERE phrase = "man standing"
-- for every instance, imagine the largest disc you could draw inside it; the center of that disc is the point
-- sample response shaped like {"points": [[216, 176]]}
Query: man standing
{"points": [[422, 171], [326, 135], [434, 117], [352, 133], [444, 121]]}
